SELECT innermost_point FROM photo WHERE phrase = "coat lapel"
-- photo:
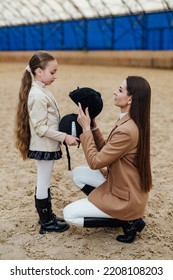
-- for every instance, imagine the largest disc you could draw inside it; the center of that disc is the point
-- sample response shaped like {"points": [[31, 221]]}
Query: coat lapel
{"points": [[51, 97], [119, 122], [47, 92]]}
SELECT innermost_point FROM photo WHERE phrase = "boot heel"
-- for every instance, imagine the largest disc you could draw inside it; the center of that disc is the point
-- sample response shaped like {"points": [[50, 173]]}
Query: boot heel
{"points": [[141, 226], [42, 230]]}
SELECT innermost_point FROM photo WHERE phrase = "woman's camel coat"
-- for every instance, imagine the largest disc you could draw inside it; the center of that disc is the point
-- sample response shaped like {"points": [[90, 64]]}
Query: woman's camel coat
{"points": [[120, 195]]}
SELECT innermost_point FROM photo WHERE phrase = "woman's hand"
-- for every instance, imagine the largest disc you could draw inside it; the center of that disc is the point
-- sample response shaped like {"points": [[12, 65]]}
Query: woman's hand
{"points": [[71, 140], [84, 118], [94, 124]]}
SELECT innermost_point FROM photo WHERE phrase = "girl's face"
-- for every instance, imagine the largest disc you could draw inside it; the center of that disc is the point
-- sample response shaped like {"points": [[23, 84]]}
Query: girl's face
{"points": [[122, 99], [48, 75]]}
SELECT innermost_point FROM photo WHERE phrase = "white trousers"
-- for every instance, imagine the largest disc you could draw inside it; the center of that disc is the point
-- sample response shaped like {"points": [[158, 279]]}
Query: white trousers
{"points": [[75, 212], [44, 171]]}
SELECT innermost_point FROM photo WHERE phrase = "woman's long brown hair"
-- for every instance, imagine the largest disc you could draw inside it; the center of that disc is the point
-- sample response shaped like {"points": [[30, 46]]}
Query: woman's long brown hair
{"points": [[22, 129], [140, 90]]}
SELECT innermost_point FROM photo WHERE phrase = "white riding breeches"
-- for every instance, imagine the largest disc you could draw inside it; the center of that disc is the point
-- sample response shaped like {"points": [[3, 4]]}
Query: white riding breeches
{"points": [[83, 175], [75, 212]]}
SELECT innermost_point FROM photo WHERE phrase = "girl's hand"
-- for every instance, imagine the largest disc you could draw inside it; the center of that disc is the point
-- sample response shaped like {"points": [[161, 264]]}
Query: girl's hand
{"points": [[71, 140], [84, 118]]}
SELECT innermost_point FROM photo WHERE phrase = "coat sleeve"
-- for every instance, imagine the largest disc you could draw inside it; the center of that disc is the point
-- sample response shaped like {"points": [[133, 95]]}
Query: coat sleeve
{"points": [[98, 139], [118, 144], [55, 135]]}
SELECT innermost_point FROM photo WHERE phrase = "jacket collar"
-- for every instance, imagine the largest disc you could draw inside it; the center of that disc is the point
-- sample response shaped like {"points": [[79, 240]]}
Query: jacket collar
{"points": [[39, 84], [123, 119], [46, 91], [119, 122]]}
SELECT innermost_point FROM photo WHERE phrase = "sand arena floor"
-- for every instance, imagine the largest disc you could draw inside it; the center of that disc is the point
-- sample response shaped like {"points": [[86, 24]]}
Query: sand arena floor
{"points": [[19, 238]]}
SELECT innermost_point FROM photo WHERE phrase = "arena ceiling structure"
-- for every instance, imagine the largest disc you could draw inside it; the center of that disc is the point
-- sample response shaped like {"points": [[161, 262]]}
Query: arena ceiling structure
{"points": [[106, 20], [19, 12]]}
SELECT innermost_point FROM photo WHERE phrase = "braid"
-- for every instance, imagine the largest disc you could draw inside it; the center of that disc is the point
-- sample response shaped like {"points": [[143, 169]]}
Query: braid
{"points": [[22, 129]]}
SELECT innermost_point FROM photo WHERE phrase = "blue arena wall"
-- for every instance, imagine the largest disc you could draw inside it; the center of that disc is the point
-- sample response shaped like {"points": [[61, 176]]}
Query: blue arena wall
{"points": [[152, 31]]}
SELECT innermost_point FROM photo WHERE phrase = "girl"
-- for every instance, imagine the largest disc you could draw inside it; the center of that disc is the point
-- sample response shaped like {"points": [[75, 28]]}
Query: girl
{"points": [[37, 135], [118, 196]]}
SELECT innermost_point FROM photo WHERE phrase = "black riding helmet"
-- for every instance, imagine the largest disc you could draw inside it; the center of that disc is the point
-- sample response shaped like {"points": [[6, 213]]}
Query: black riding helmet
{"points": [[90, 98]]}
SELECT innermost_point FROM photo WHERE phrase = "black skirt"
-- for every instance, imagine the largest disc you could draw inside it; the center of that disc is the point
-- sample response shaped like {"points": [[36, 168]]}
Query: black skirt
{"points": [[39, 155]]}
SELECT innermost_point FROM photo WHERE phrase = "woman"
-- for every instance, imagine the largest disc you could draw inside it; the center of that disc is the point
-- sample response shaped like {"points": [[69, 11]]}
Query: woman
{"points": [[118, 196], [37, 135]]}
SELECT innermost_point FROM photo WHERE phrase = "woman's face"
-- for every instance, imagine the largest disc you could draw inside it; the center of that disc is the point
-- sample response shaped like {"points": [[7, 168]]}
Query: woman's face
{"points": [[122, 99]]}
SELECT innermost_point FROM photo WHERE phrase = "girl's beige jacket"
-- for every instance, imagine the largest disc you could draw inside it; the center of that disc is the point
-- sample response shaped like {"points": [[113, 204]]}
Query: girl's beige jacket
{"points": [[43, 114]]}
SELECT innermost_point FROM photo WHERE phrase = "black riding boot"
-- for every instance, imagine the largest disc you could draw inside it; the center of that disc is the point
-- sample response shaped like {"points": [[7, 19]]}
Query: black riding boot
{"points": [[47, 222], [101, 222], [130, 228], [87, 189], [58, 219]]}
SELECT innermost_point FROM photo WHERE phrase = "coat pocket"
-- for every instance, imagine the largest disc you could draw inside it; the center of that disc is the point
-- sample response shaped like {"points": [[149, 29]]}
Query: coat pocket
{"points": [[125, 195]]}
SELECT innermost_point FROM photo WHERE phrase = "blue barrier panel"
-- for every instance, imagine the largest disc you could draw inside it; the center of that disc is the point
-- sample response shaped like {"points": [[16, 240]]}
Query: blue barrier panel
{"points": [[152, 31]]}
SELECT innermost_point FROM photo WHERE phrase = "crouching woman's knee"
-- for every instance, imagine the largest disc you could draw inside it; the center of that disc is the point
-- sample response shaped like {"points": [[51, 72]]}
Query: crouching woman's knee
{"points": [[71, 217], [78, 176]]}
